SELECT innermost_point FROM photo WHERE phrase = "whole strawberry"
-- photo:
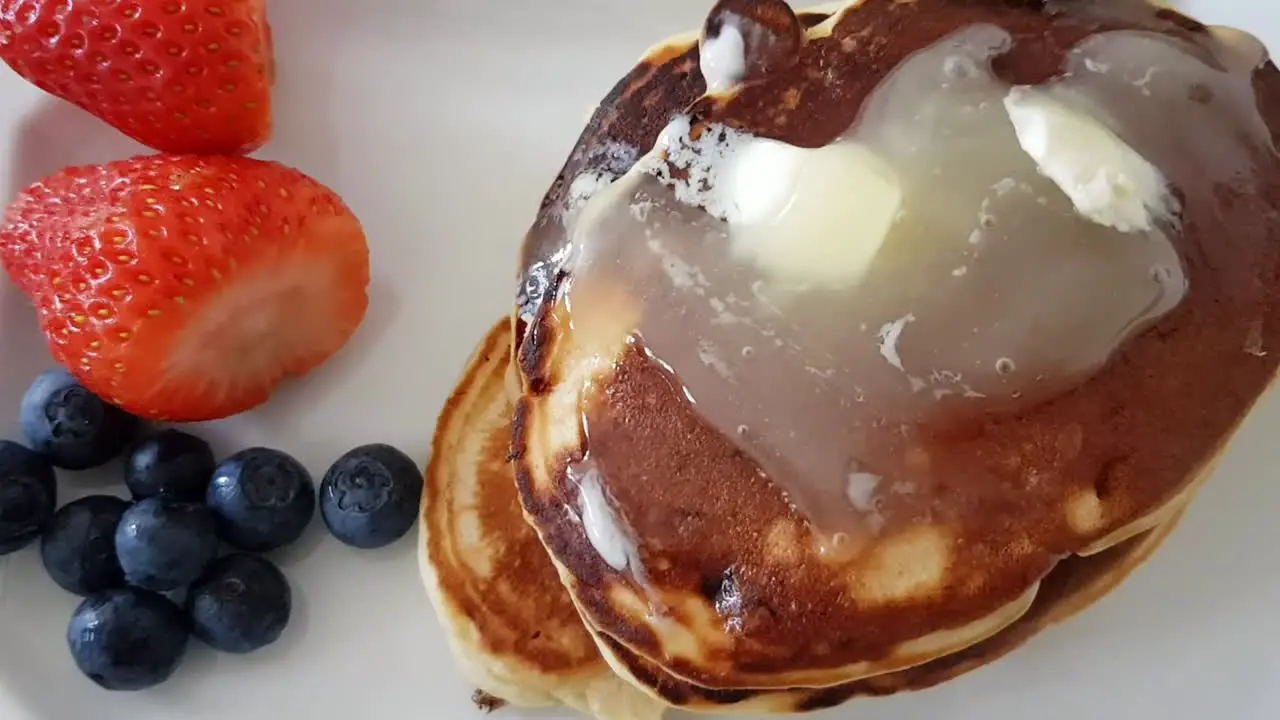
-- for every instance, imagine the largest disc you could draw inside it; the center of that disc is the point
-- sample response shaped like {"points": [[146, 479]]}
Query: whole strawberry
{"points": [[181, 76], [187, 288]]}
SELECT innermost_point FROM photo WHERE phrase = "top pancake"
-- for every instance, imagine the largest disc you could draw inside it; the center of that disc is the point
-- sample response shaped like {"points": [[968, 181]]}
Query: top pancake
{"points": [[732, 593]]}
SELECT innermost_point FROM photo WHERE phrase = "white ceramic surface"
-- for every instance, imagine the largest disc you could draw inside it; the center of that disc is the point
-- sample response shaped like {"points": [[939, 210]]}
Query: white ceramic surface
{"points": [[441, 122]]}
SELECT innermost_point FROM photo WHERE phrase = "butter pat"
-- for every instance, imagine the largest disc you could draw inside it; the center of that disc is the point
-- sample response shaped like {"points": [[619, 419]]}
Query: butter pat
{"points": [[808, 216], [602, 527], [723, 59], [1107, 181]]}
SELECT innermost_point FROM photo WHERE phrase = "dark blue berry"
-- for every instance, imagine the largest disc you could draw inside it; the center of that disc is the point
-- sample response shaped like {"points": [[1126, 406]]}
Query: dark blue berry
{"points": [[28, 496], [128, 639], [165, 545], [264, 499], [71, 426], [79, 547], [370, 497], [241, 604], [172, 464]]}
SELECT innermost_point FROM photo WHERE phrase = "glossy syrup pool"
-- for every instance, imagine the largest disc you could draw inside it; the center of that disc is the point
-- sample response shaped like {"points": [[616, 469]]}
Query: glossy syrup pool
{"points": [[833, 311]]}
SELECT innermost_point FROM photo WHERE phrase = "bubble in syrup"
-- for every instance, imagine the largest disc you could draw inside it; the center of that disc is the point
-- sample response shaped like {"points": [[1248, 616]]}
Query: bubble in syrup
{"points": [[1254, 342], [748, 352], [1096, 66], [743, 430], [959, 67], [836, 546], [1005, 366], [1200, 93], [860, 490]]}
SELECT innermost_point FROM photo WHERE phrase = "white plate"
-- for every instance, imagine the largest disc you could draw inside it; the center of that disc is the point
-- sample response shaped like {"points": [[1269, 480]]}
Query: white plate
{"points": [[441, 122]]}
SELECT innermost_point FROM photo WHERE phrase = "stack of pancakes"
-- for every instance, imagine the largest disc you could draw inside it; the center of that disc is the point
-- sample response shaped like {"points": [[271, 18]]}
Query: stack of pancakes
{"points": [[590, 538]]}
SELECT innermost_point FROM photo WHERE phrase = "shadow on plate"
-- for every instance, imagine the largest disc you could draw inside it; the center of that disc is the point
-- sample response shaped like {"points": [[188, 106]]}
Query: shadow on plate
{"points": [[304, 547], [303, 103], [57, 134], [202, 662], [26, 683], [400, 554], [296, 396], [23, 353]]}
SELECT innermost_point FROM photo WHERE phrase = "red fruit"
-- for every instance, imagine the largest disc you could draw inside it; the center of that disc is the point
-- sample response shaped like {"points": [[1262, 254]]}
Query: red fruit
{"points": [[187, 288], [181, 76]]}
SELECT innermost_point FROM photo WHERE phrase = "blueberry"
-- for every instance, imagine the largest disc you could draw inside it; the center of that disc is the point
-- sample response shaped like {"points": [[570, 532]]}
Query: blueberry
{"points": [[170, 463], [28, 496], [71, 426], [79, 547], [241, 604], [370, 497], [164, 545], [127, 639], [264, 499]]}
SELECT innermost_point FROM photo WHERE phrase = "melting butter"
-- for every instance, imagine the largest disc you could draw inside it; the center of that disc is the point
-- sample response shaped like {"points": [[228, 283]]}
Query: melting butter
{"points": [[722, 58], [809, 216], [1105, 179], [604, 529]]}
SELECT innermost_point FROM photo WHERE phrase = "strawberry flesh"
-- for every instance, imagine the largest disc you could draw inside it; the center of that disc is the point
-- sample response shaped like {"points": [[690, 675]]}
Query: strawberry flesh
{"points": [[184, 288]]}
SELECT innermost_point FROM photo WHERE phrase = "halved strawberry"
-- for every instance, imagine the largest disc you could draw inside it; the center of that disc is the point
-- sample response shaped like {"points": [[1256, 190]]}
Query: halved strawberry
{"points": [[182, 76], [187, 288]]}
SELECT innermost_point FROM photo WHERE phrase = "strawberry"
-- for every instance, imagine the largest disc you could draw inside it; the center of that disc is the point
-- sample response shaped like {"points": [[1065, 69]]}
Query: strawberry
{"points": [[181, 76], [187, 288]]}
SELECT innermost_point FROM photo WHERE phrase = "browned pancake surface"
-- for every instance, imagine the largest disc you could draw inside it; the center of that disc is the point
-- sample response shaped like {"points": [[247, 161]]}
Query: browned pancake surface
{"points": [[1131, 438], [524, 616], [1072, 586]]}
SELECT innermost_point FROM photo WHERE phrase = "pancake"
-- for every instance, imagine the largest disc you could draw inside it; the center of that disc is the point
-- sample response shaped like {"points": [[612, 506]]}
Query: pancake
{"points": [[1071, 587], [682, 553], [508, 620], [514, 628]]}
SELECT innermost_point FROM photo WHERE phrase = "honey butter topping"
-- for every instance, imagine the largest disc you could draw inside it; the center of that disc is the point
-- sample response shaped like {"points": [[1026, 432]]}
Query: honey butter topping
{"points": [[969, 246]]}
